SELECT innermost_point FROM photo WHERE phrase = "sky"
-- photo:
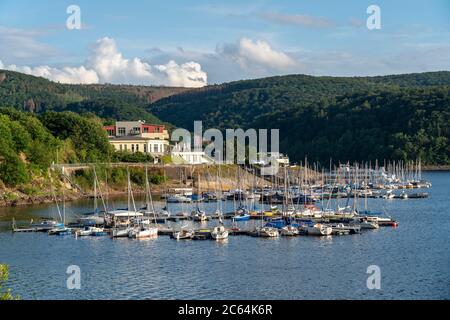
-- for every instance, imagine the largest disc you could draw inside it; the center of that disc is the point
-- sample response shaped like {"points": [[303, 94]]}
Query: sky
{"points": [[200, 42]]}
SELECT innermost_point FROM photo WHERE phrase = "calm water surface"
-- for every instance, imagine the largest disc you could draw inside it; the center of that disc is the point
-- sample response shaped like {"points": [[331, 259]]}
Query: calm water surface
{"points": [[414, 260]]}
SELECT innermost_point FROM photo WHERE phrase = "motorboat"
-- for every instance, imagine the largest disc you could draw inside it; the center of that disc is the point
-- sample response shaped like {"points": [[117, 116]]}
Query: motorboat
{"points": [[317, 229]]}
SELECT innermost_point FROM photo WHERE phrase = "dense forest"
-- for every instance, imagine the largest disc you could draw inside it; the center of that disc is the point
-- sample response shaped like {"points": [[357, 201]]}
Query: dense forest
{"points": [[111, 102], [29, 144], [359, 118], [343, 118]]}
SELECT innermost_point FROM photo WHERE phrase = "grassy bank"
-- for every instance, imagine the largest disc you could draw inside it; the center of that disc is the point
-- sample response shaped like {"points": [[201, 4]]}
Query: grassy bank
{"points": [[79, 183]]}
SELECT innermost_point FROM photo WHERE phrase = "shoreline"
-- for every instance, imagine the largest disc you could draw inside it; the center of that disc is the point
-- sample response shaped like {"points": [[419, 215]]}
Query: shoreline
{"points": [[436, 168]]}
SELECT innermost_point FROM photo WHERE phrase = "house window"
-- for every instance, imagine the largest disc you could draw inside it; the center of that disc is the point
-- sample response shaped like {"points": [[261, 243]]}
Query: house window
{"points": [[145, 129], [126, 147], [120, 147], [145, 148], [132, 148], [121, 131], [136, 130], [155, 148], [137, 148]]}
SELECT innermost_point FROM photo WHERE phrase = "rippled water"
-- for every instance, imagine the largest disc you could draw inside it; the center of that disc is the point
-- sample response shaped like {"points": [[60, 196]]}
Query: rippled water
{"points": [[414, 260]]}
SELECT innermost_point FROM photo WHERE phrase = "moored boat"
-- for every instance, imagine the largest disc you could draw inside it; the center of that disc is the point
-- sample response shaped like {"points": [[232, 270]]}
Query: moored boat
{"points": [[265, 232], [289, 231], [317, 229], [141, 232], [219, 233], [183, 234]]}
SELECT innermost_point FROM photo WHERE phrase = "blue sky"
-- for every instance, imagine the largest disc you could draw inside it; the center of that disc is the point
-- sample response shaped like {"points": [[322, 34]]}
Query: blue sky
{"points": [[191, 43]]}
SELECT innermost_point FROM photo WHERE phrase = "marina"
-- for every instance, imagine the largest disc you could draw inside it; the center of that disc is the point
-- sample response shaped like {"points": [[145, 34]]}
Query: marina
{"points": [[306, 244]]}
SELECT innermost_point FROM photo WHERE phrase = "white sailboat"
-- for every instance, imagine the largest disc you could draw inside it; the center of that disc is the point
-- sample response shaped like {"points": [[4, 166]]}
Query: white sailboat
{"points": [[122, 218], [219, 232], [184, 233], [289, 231], [94, 219], [198, 214], [61, 230], [145, 230]]}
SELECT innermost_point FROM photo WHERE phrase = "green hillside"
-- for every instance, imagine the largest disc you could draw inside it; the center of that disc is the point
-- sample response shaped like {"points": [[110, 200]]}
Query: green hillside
{"points": [[357, 118], [344, 118], [114, 102]]}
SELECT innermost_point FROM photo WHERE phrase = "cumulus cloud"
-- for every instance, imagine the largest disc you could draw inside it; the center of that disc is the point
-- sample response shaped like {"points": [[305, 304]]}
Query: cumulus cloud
{"points": [[64, 75], [250, 54], [188, 74], [112, 67], [106, 64]]}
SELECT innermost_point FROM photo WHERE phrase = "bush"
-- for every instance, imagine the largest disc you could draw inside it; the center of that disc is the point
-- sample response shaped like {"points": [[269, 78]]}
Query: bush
{"points": [[5, 293], [126, 156]]}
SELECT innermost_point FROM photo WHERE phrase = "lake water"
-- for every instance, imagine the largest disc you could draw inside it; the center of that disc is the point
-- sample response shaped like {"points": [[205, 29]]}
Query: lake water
{"points": [[414, 260]]}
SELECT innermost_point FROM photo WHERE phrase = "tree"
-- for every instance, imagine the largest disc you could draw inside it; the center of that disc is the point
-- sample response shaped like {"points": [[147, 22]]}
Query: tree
{"points": [[5, 293]]}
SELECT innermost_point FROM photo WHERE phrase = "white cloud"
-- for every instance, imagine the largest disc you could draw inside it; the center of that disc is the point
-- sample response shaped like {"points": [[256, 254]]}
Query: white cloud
{"points": [[257, 57], [262, 53], [188, 74], [64, 75], [112, 67], [105, 64]]}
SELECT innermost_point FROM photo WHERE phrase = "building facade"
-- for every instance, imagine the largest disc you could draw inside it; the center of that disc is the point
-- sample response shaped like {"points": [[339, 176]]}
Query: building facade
{"points": [[137, 136]]}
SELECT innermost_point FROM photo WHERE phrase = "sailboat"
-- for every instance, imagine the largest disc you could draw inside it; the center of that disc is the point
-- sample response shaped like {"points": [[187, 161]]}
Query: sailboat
{"points": [[94, 219], [241, 213], [90, 231], [198, 214], [123, 227], [60, 230], [145, 231], [265, 231], [219, 232], [184, 233], [289, 231]]}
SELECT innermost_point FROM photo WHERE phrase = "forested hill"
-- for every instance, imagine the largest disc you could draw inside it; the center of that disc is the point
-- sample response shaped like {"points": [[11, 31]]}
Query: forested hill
{"points": [[115, 102], [357, 118], [345, 118], [241, 103]]}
